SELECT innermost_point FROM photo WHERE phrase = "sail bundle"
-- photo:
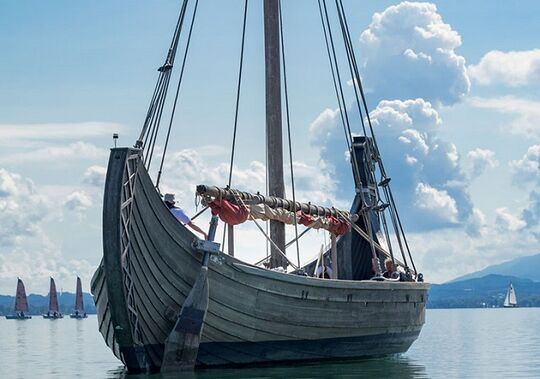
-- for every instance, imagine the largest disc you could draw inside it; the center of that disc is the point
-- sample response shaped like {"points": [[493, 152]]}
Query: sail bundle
{"points": [[235, 207]]}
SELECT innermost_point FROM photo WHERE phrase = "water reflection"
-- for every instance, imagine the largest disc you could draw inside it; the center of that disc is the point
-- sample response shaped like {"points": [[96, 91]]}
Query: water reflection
{"points": [[392, 368]]}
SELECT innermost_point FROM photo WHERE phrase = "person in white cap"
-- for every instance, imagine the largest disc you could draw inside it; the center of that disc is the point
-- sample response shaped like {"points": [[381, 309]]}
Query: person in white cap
{"points": [[180, 214]]}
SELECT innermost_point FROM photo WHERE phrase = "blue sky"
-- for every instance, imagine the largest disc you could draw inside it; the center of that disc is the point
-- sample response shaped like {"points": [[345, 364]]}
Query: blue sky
{"points": [[458, 121]]}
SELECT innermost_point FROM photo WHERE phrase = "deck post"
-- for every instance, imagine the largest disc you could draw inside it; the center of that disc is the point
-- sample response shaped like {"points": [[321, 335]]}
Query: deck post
{"points": [[230, 239], [334, 256]]}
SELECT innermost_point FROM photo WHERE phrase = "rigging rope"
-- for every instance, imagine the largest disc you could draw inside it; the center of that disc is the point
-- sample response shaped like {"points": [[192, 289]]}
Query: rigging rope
{"points": [[151, 124], [289, 131], [177, 93], [239, 86], [347, 128], [398, 226]]}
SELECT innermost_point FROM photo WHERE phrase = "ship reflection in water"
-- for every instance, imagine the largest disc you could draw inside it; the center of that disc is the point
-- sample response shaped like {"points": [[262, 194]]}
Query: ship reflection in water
{"points": [[390, 367]]}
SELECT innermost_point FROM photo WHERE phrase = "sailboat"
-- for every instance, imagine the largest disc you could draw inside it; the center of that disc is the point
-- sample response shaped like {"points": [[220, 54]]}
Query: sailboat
{"points": [[53, 313], [21, 303], [78, 311], [510, 301], [168, 301]]}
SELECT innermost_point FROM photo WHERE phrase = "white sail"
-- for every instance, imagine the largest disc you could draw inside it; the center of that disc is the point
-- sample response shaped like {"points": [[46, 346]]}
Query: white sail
{"points": [[510, 299]]}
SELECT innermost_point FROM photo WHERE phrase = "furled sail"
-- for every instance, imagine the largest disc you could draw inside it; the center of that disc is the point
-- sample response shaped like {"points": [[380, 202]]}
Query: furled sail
{"points": [[21, 303], [53, 297], [235, 207], [510, 299], [79, 306]]}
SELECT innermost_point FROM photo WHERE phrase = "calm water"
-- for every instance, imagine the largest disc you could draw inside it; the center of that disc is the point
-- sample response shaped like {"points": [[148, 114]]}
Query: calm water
{"points": [[476, 343]]}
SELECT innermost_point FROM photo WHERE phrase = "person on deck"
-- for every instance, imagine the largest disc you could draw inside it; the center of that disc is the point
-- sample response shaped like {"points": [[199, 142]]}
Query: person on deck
{"points": [[390, 272], [180, 215]]}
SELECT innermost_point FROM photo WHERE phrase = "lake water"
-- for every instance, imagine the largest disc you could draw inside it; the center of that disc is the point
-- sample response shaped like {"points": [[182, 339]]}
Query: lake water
{"points": [[455, 343]]}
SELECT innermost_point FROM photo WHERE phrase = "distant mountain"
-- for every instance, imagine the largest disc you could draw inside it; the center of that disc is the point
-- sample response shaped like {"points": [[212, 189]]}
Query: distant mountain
{"points": [[487, 291], [522, 267], [39, 304]]}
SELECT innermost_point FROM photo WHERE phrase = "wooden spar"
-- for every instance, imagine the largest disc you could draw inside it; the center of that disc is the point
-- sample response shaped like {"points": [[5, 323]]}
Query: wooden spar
{"points": [[182, 344], [230, 240], [334, 256], [272, 202], [274, 140]]}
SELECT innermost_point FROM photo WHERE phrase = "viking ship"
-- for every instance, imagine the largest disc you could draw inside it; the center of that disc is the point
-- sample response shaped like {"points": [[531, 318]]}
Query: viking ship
{"points": [[21, 303], [53, 313], [167, 300], [78, 310]]}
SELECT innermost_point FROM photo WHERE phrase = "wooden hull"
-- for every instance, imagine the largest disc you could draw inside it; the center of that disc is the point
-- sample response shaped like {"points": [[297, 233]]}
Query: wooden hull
{"points": [[17, 317], [254, 315]]}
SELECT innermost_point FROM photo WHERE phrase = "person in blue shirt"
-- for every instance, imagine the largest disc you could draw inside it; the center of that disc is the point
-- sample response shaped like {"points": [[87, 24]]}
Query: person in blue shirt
{"points": [[180, 215]]}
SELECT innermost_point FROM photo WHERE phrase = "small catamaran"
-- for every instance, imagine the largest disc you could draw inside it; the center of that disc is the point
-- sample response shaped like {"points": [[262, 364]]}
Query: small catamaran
{"points": [[510, 301], [168, 301], [78, 311], [53, 313], [21, 303]]}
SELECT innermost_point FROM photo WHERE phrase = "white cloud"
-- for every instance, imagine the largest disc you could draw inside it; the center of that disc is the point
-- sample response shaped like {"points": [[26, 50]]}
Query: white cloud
{"points": [[476, 225], [185, 169], [60, 153], [95, 176], [445, 254], [408, 51], [526, 112], [412, 151], [436, 202], [59, 131], [513, 68], [508, 221], [21, 208], [528, 167], [482, 160], [78, 201]]}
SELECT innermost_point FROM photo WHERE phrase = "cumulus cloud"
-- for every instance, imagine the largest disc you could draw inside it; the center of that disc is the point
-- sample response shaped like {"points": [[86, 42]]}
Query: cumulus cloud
{"points": [[436, 202], [95, 176], [531, 215], [526, 113], [481, 160], [528, 167], [413, 153], [513, 68], [508, 221], [21, 207], [185, 169], [408, 52], [78, 201]]}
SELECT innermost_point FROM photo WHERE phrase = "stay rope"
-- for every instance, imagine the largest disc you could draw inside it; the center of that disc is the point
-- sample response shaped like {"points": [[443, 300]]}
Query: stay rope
{"points": [[237, 106], [289, 131]]}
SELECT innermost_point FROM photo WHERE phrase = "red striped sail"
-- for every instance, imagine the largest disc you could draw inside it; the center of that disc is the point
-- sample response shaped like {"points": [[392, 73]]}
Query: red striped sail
{"points": [[79, 306], [53, 297], [21, 304]]}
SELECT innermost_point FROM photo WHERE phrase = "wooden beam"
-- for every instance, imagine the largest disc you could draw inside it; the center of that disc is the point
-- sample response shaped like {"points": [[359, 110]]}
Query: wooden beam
{"points": [[274, 139], [333, 256]]}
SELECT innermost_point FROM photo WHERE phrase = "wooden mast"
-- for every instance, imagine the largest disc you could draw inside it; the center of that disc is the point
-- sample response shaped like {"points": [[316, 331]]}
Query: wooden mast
{"points": [[274, 141]]}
